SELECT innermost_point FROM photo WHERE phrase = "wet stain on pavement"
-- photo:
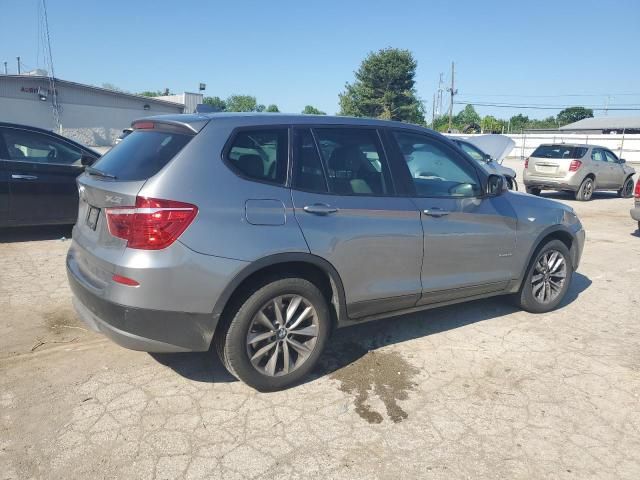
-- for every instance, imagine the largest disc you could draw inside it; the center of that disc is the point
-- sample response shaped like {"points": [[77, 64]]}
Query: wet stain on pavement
{"points": [[58, 318], [384, 374]]}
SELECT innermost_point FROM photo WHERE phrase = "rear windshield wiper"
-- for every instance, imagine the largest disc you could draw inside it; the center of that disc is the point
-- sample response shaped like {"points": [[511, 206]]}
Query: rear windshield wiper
{"points": [[99, 173]]}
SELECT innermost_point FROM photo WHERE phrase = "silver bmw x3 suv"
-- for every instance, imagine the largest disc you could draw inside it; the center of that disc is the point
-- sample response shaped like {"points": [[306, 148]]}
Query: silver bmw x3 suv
{"points": [[264, 233]]}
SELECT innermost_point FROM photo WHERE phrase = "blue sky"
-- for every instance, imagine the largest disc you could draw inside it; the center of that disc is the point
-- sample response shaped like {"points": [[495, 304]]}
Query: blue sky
{"points": [[294, 53]]}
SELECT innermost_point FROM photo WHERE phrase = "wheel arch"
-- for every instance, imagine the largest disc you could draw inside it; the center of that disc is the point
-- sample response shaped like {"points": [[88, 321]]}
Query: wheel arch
{"points": [[313, 268], [554, 232]]}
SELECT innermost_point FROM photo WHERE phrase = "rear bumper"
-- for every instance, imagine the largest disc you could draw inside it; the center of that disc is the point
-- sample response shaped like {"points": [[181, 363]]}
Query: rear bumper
{"points": [[139, 328], [550, 184], [635, 213]]}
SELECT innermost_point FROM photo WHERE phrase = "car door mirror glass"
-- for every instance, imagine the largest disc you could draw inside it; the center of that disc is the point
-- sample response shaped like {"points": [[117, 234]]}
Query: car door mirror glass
{"points": [[495, 185]]}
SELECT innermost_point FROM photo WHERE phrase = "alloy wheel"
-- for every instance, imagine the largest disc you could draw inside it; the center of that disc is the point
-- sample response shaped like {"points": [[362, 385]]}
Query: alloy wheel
{"points": [[282, 335], [628, 188], [587, 189], [549, 276]]}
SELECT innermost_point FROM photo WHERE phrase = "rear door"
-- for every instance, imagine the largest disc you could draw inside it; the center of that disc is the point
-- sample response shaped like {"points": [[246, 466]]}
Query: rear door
{"points": [[616, 170], [346, 205], [41, 170], [469, 238]]}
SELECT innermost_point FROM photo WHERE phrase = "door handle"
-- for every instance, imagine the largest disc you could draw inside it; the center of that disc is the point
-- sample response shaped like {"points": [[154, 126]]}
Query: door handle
{"points": [[23, 177], [435, 212], [320, 209]]}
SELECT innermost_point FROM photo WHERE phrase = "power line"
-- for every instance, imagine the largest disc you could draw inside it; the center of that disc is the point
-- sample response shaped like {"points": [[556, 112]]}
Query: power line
{"points": [[550, 96], [540, 107]]}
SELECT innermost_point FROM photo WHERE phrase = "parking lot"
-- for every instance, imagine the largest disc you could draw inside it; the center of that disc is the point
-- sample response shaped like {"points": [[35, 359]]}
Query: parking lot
{"points": [[477, 390]]}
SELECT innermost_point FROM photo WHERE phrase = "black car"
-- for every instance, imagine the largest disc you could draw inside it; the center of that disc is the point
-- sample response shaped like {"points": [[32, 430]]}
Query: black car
{"points": [[38, 171]]}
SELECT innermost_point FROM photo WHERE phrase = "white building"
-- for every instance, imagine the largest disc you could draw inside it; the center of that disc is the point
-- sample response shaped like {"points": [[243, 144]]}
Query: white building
{"points": [[90, 115]]}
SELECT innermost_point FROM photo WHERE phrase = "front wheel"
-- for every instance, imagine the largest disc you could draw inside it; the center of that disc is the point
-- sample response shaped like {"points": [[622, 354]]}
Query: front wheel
{"points": [[627, 189], [276, 335], [548, 278], [585, 192]]}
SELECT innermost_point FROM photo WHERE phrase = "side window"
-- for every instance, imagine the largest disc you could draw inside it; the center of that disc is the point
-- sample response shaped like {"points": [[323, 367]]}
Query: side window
{"points": [[597, 155], [611, 158], [308, 173], [354, 161], [435, 169], [260, 154], [27, 146]]}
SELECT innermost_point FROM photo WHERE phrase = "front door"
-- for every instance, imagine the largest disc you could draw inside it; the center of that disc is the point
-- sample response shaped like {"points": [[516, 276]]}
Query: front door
{"points": [[345, 203], [616, 170], [41, 171], [601, 168], [469, 238]]}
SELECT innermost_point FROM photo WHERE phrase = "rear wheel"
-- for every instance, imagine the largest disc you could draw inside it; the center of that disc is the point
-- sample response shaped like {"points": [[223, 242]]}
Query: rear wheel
{"points": [[533, 191], [585, 192], [548, 278], [627, 189], [276, 335]]}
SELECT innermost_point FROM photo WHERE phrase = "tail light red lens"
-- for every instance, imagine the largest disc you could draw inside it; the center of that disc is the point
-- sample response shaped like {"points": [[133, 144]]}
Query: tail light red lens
{"points": [[526, 163], [575, 165], [129, 282], [153, 224], [636, 192]]}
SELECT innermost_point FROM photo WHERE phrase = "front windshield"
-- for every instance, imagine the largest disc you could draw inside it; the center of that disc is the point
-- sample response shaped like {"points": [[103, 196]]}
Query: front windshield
{"points": [[474, 152]]}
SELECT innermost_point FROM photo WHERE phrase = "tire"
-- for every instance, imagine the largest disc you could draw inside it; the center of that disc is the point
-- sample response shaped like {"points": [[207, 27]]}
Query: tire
{"points": [[627, 188], [533, 191], [237, 339], [528, 298], [585, 191]]}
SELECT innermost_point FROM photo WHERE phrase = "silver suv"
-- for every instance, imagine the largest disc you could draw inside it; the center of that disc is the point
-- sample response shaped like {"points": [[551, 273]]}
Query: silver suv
{"points": [[581, 169], [263, 233]]}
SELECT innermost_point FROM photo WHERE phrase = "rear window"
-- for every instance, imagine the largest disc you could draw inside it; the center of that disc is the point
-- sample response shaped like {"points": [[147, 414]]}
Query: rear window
{"points": [[142, 154], [559, 151]]}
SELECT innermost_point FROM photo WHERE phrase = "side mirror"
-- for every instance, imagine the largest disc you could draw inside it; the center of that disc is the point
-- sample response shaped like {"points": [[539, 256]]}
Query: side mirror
{"points": [[87, 160], [488, 158], [622, 160], [496, 185]]}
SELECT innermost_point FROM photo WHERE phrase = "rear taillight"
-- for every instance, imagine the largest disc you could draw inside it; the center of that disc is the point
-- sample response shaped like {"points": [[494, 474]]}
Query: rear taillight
{"points": [[152, 224], [575, 165], [526, 163], [636, 192]]}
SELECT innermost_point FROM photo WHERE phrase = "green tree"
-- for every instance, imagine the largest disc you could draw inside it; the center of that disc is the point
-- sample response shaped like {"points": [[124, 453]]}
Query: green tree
{"points": [[243, 103], [518, 122], [155, 93], [216, 102], [384, 87], [115, 88], [467, 116], [311, 110], [573, 114], [491, 124], [272, 108]]}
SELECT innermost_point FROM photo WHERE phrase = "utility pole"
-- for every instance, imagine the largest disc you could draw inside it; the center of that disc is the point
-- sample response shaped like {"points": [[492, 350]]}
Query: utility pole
{"points": [[606, 105], [433, 112], [453, 92], [6, 72], [439, 99], [18, 58]]}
